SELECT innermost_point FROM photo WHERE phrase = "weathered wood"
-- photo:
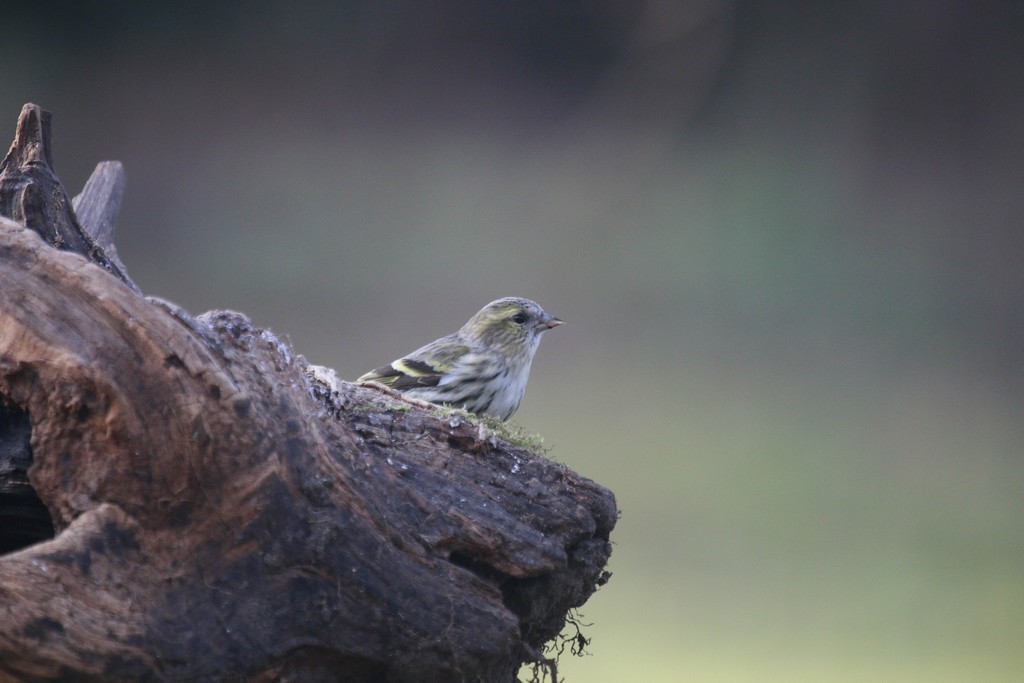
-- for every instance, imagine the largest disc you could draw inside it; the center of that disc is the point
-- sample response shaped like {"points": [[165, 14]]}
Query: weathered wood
{"points": [[98, 205], [30, 193], [222, 513]]}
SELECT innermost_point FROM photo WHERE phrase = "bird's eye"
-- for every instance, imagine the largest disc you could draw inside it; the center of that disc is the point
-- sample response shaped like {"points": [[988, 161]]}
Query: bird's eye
{"points": [[519, 318]]}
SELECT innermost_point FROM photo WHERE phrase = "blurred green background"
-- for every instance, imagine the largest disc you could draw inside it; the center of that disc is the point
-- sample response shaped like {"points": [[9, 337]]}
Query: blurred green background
{"points": [[786, 236]]}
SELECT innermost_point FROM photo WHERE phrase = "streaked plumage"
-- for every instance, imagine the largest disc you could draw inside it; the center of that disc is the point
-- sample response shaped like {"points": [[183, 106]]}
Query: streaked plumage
{"points": [[482, 368]]}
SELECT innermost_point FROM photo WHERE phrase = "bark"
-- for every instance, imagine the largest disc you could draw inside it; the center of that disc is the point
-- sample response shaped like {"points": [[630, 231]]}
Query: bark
{"points": [[222, 510]]}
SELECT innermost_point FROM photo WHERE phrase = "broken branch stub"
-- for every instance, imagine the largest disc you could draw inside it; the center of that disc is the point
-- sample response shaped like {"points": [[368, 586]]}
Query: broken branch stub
{"points": [[30, 193]]}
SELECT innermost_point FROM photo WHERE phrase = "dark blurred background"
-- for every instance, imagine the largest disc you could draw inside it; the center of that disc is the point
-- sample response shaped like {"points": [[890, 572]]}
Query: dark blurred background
{"points": [[786, 237]]}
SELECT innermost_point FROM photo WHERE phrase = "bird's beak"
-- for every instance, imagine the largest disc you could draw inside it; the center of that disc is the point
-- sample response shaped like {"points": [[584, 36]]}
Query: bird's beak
{"points": [[552, 321]]}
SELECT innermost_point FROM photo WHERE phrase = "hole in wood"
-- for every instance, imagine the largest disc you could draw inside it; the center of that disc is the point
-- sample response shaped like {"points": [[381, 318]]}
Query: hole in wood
{"points": [[24, 520]]}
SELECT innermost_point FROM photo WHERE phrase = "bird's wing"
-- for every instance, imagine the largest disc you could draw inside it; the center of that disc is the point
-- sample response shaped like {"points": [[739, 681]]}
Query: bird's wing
{"points": [[425, 367]]}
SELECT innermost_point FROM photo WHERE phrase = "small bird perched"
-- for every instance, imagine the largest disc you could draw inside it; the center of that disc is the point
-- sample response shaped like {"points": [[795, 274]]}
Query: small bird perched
{"points": [[482, 368]]}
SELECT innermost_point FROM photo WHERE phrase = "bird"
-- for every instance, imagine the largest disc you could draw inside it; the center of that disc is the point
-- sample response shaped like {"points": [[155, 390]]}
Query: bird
{"points": [[483, 368]]}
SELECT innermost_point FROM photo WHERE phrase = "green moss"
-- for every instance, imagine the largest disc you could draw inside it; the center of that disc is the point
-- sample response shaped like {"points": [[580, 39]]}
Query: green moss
{"points": [[494, 428], [515, 434]]}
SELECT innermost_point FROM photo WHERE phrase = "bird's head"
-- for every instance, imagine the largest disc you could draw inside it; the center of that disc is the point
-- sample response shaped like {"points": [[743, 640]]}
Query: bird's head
{"points": [[511, 325]]}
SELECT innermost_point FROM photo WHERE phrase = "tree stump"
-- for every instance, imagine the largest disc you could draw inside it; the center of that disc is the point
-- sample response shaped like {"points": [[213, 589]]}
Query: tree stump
{"points": [[186, 499]]}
